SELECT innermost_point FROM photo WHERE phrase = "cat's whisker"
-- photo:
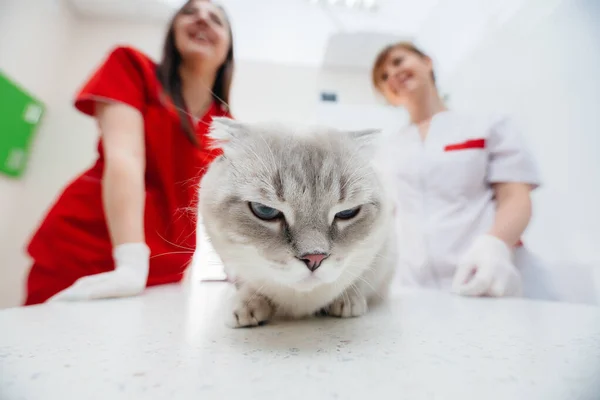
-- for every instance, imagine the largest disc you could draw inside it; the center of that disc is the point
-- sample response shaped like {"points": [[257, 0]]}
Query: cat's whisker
{"points": [[346, 296], [215, 96], [356, 289], [223, 102], [174, 244], [355, 178], [270, 151], [187, 237], [361, 278], [171, 253], [193, 180], [374, 292], [351, 180], [249, 149], [256, 293], [351, 164]]}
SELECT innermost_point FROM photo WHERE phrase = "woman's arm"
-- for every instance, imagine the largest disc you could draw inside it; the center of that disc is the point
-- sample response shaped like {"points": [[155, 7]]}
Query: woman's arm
{"points": [[123, 189], [123, 196], [513, 211], [486, 268]]}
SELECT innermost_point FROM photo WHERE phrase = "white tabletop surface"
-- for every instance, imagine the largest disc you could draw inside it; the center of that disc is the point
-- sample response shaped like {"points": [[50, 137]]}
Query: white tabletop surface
{"points": [[171, 343]]}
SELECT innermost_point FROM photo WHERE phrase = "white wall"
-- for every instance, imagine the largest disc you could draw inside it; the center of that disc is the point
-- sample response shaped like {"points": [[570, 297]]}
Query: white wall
{"points": [[291, 93], [69, 48], [543, 69], [33, 43]]}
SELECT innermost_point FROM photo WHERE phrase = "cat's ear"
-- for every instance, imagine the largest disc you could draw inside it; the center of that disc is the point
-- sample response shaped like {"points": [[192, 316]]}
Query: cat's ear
{"points": [[223, 131], [368, 141]]}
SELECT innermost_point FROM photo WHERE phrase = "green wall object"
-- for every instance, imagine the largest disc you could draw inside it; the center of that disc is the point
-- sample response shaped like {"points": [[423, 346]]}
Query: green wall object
{"points": [[20, 116]]}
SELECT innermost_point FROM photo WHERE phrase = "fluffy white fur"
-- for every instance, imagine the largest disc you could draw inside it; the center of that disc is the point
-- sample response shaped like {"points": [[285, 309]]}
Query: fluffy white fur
{"points": [[309, 178]]}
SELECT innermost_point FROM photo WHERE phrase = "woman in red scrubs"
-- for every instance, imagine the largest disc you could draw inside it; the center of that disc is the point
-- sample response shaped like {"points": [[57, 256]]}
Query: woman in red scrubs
{"points": [[126, 223]]}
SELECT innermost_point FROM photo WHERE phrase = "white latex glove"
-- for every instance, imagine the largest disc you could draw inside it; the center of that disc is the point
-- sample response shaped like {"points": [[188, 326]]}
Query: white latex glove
{"points": [[487, 269], [127, 279]]}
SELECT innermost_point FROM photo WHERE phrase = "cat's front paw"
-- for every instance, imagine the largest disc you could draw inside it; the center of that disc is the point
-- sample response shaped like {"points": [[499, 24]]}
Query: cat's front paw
{"points": [[248, 312], [348, 305]]}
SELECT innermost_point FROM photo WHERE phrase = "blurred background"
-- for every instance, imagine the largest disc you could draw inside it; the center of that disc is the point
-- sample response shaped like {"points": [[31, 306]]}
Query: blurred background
{"points": [[308, 61]]}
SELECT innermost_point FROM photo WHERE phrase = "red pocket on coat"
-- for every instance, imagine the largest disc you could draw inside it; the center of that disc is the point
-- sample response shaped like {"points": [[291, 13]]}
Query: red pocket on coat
{"points": [[469, 144]]}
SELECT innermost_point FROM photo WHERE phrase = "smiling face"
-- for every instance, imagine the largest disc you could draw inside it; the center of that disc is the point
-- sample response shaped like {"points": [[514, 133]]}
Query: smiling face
{"points": [[401, 73], [290, 209], [201, 31]]}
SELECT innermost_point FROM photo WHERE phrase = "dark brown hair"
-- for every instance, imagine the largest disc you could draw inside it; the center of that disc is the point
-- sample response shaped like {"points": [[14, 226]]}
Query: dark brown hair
{"points": [[168, 75], [383, 55]]}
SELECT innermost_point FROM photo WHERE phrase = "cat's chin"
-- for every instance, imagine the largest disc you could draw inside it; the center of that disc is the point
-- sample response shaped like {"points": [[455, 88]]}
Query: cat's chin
{"points": [[308, 284], [314, 281]]}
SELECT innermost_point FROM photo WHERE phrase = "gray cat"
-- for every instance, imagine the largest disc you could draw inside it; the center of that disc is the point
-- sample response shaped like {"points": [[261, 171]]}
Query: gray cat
{"points": [[300, 220]]}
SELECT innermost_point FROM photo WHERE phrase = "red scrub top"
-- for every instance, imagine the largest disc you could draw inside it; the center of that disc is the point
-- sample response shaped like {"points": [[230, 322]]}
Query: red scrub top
{"points": [[73, 240]]}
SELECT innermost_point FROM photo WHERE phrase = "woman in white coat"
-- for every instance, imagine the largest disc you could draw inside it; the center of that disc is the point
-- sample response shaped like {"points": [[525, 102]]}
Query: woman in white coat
{"points": [[463, 184]]}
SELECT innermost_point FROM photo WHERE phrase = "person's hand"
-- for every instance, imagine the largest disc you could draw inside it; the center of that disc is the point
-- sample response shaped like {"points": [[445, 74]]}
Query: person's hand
{"points": [[127, 279], [487, 270]]}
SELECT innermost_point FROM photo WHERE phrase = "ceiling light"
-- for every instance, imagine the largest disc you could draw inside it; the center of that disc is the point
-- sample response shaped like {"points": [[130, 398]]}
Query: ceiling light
{"points": [[369, 4], [174, 3], [352, 4]]}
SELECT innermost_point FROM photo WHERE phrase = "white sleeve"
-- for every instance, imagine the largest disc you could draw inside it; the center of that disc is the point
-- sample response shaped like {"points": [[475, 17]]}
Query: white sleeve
{"points": [[510, 157]]}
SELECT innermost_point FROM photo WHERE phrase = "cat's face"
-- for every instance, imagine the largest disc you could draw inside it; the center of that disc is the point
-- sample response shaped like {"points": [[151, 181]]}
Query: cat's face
{"points": [[300, 210]]}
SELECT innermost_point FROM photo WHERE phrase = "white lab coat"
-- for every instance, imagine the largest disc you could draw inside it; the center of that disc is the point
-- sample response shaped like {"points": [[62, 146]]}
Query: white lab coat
{"points": [[442, 188]]}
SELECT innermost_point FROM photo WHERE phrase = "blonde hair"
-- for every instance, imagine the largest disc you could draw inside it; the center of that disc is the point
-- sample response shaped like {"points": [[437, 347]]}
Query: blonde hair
{"points": [[383, 55]]}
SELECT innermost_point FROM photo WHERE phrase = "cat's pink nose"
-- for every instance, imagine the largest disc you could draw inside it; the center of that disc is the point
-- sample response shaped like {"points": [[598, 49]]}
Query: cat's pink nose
{"points": [[313, 261]]}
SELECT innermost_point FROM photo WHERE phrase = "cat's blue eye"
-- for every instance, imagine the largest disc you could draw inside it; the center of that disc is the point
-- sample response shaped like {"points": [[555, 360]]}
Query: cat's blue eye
{"points": [[348, 214], [264, 212]]}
